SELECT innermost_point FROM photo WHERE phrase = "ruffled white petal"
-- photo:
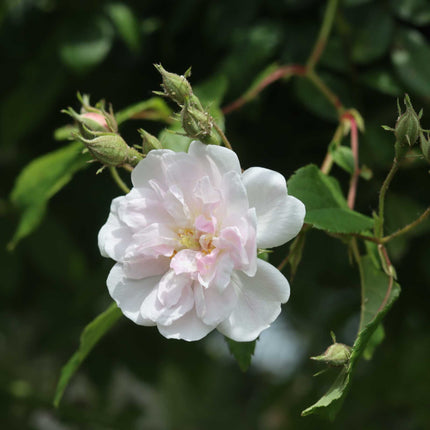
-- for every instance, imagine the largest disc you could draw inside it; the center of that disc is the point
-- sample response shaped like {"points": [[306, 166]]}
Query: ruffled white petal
{"points": [[114, 237], [129, 294], [258, 304], [212, 305], [189, 327], [214, 160], [279, 216]]}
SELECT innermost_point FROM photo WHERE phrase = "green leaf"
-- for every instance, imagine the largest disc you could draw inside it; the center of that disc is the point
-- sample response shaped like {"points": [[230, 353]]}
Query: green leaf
{"points": [[242, 352], [326, 208], [379, 292], [343, 157], [339, 220], [155, 109], [39, 181], [126, 24], [86, 42], [411, 59], [376, 338], [92, 333], [315, 189]]}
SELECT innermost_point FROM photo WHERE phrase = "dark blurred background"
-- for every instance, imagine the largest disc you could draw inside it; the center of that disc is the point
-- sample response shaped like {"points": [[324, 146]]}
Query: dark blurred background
{"points": [[53, 283]]}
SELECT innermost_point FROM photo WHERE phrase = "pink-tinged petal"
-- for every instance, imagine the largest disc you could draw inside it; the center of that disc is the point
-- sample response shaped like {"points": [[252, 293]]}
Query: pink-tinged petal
{"points": [[214, 306], [177, 296], [189, 327], [114, 237], [129, 294], [279, 216], [154, 240], [145, 266], [206, 224], [214, 160], [206, 266], [184, 261], [231, 241], [259, 302]]}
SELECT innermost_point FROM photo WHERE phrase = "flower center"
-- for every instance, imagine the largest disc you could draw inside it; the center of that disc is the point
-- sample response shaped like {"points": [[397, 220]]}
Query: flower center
{"points": [[188, 239]]}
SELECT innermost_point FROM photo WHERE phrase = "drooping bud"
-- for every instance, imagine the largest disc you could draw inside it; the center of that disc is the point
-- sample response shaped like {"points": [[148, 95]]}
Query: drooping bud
{"points": [[177, 87], [335, 355], [198, 124], [150, 142], [425, 146], [110, 149]]}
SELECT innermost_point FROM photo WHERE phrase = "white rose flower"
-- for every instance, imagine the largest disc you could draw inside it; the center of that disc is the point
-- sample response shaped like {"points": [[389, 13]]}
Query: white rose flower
{"points": [[185, 241]]}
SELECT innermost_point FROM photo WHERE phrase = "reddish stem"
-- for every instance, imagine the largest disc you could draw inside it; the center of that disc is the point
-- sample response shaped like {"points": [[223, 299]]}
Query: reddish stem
{"points": [[281, 72], [354, 147]]}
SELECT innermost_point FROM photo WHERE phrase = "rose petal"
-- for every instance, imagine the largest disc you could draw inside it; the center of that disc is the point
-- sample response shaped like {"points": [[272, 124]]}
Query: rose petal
{"points": [[212, 305], [177, 297], [145, 266], [259, 302], [189, 327], [184, 261], [129, 294], [279, 216], [214, 160], [114, 237]]}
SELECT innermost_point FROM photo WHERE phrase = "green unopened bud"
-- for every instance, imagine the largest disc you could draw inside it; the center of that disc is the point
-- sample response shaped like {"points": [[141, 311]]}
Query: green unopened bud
{"points": [[110, 149], [335, 355], [177, 87], [425, 146], [407, 129], [150, 142], [198, 124]]}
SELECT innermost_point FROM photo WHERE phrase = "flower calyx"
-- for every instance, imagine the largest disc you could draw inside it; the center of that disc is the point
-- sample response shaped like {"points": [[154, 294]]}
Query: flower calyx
{"points": [[93, 118], [111, 150], [336, 355], [198, 124], [407, 129], [177, 87], [98, 131], [149, 142], [425, 145]]}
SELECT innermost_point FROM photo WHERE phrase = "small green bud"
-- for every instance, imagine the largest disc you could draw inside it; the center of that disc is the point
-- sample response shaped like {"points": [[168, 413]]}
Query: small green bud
{"points": [[150, 142], [177, 87], [408, 128], [198, 124], [425, 146], [335, 355], [110, 149]]}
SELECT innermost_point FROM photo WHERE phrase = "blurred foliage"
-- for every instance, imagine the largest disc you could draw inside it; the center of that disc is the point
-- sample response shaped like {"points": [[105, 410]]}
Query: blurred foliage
{"points": [[53, 283]]}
